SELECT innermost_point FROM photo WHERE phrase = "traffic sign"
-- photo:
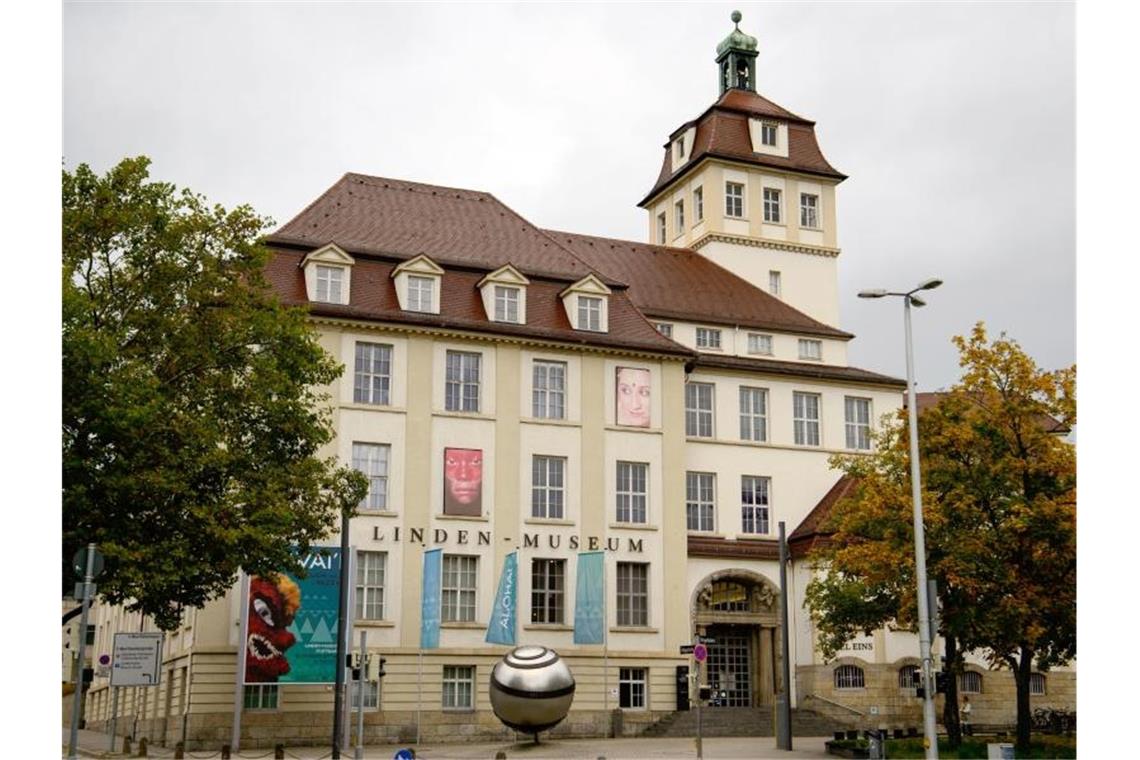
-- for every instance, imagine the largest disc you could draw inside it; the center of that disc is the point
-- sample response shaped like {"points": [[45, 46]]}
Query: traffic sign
{"points": [[706, 639], [687, 648], [137, 660], [700, 652], [79, 563]]}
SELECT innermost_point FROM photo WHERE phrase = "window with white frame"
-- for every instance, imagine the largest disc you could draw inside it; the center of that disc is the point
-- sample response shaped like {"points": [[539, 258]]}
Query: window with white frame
{"points": [[678, 149], [1037, 684], [661, 234], [699, 410], [547, 487], [805, 418], [330, 284], [700, 501], [664, 328], [547, 591], [734, 199], [371, 568], [970, 682], [548, 391], [372, 376], [754, 492], [708, 337], [371, 459], [857, 413], [772, 205], [909, 677], [632, 492], [371, 694], [775, 285], [699, 204], [759, 343], [421, 292], [259, 696], [768, 133], [462, 381], [811, 349], [633, 594], [678, 217], [589, 313], [506, 304], [460, 573], [458, 687], [849, 677], [809, 211], [631, 688], [753, 414]]}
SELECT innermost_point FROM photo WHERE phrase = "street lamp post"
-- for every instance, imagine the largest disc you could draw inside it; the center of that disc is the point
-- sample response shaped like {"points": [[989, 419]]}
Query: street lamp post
{"points": [[929, 727]]}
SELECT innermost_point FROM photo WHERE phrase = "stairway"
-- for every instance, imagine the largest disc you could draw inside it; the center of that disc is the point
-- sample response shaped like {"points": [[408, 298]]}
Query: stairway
{"points": [[740, 721]]}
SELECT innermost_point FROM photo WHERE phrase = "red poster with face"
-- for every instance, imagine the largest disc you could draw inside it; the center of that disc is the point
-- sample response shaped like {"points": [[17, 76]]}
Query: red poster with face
{"points": [[463, 482]]}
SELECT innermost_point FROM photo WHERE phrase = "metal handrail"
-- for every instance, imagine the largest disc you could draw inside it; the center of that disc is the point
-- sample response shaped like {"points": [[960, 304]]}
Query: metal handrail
{"points": [[837, 704]]}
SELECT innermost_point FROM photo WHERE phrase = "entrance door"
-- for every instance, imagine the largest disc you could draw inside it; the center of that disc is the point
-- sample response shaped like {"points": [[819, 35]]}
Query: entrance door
{"points": [[730, 665]]}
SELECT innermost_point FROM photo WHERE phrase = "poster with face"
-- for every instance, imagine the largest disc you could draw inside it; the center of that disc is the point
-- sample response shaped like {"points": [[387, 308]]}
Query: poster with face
{"points": [[463, 482], [633, 397]]}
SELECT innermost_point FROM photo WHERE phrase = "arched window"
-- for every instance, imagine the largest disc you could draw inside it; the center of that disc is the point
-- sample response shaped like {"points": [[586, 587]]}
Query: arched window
{"points": [[849, 677], [909, 676], [1037, 684], [729, 596], [970, 683]]}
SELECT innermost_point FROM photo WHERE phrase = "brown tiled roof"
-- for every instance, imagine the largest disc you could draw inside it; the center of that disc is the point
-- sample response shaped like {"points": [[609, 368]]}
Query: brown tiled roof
{"points": [[714, 546], [722, 132], [799, 369], [930, 399], [813, 530], [400, 220], [678, 283]]}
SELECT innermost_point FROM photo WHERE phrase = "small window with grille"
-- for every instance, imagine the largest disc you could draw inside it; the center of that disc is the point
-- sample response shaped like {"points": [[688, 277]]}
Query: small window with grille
{"points": [[849, 677], [970, 682]]}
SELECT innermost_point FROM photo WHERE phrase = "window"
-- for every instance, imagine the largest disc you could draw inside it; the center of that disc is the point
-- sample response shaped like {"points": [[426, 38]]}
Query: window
{"points": [[699, 409], [462, 386], [753, 414], [1037, 684], [632, 594], [849, 677], [811, 349], [910, 677], [809, 211], [768, 133], [774, 284], [970, 682], [371, 693], [631, 688], [547, 590], [754, 504], [459, 577], [90, 638], [547, 487], [679, 148], [771, 205], [679, 217], [857, 412], [707, 337], [632, 492], [458, 687], [700, 488], [589, 313], [371, 459], [661, 228], [664, 328], [548, 395], [372, 378], [260, 696], [330, 282], [420, 293], [734, 199], [506, 304], [370, 571], [805, 418], [699, 204], [759, 343]]}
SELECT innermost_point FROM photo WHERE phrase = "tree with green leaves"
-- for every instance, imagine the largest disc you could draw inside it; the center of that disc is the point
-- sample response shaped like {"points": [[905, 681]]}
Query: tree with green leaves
{"points": [[999, 499], [193, 409]]}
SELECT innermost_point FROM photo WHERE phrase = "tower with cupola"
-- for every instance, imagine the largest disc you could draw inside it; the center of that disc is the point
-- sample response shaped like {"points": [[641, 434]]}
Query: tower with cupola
{"points": [[746, 185]]}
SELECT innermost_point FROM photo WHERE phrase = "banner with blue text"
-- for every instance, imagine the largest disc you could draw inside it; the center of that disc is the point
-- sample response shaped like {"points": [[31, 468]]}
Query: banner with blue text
{"points": [[501, 626]]}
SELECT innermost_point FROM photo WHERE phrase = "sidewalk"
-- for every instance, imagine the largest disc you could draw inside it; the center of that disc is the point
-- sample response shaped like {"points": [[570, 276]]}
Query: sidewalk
{"points": [[94, 744]]}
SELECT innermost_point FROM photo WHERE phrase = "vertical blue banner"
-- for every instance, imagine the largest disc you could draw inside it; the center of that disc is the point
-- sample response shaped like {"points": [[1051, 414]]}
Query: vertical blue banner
{"points": [[501, 626], [430, 613], [590, 599]]}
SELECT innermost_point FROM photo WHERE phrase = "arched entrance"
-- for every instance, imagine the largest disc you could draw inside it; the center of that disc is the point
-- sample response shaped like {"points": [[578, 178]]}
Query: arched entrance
{"points": [[738, 610]]}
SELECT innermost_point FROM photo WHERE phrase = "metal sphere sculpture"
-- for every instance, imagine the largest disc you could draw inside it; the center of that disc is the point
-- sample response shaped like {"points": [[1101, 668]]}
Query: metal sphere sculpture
{"points": [[531, 689]]}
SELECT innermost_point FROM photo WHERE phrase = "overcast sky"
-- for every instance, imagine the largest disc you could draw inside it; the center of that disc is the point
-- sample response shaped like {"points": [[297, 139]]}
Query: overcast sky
{"points": [[955, 123]]}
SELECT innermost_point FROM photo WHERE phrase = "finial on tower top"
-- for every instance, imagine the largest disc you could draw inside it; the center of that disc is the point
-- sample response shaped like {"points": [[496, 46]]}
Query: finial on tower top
{"points": [[736, 18]]}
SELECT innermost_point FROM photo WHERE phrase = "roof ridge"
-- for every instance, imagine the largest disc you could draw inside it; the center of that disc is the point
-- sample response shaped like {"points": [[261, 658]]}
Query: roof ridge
{"points": [[370, 179]]}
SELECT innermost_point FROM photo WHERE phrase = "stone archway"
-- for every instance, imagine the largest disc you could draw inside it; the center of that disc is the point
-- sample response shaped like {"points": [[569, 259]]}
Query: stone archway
{"points": [[739, 610]]}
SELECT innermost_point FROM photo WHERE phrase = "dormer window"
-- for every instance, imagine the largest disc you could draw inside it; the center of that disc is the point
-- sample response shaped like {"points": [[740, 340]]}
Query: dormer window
{"points": [[504, 295], [589, 313], [418, 281], [421, 293], [506, 304], [328, 275], [330, 284], [587, 304], [768, 134]]}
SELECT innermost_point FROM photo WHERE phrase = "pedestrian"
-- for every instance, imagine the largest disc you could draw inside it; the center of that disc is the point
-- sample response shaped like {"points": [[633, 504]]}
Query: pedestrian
{"points": [[965, 714]]}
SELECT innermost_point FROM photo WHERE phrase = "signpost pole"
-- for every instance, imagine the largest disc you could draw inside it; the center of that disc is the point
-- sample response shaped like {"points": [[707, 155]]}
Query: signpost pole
{"points": [[341, 636], [77, 707], [239, 666], [114, 715], [359, 754], [784, 716]]}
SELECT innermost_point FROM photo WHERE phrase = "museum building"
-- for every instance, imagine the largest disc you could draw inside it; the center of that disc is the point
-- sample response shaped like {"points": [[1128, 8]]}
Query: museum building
{"points": [[509, 388]]}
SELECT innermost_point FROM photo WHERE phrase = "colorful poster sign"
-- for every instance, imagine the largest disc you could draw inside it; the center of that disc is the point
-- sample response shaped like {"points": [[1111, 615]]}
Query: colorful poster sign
{"points": [[501, 626], [430, 607], [590, 600], [633, 393], [291, 631], [463, 482]]}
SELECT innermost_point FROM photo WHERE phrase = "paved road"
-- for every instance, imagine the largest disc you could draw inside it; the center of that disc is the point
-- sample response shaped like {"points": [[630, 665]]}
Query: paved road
{"points": [[94, 744]]}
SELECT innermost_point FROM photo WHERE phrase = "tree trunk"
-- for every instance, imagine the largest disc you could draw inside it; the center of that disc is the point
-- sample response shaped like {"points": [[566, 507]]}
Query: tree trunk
{"points": [[950, 707], [1021, 678]]}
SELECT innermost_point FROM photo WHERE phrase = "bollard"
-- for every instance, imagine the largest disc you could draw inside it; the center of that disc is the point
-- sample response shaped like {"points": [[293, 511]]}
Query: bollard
{"points": [[225, 752], [500, 755], [127, 745], [179, 751], [142, 747], [278, 752]]}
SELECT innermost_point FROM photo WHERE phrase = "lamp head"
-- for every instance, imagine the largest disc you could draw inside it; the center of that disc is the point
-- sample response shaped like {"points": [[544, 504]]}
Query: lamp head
{"points": [[876, 293], [930, 284], [916, 301]]}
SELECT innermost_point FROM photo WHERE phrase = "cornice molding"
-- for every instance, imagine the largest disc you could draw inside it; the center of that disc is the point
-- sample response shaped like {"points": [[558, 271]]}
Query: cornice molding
{"points": [[722, 237]]}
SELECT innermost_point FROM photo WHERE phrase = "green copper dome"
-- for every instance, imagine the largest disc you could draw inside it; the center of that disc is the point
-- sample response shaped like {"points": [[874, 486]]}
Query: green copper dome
{"points": [[736, 40]]}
